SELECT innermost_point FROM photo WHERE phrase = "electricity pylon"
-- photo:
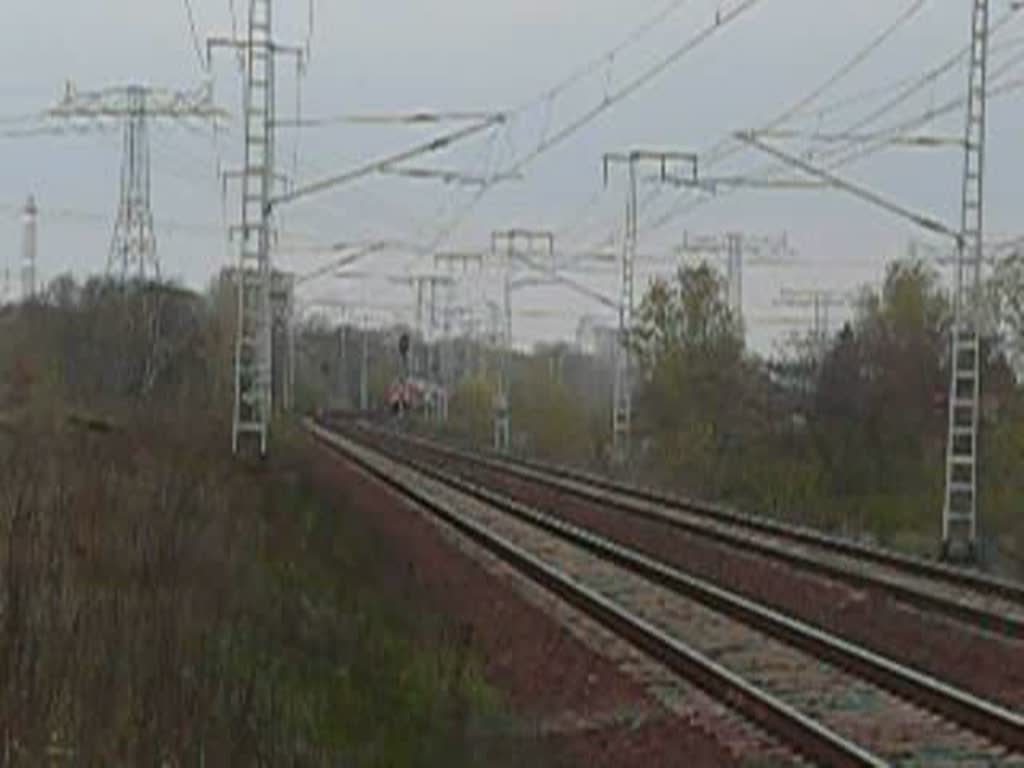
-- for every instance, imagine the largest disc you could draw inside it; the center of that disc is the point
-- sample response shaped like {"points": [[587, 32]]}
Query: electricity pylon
{"points": [[254, 365], [133, 250], [29, 246], [622, 406], [960, 510], [512, 239]]}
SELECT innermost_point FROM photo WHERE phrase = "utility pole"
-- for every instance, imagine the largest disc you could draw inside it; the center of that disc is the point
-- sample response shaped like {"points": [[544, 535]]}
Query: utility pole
{"points": [[364, 376], [960, 510], [29, 247], [282, 304], [622, 407], [133, 249], [735, 246], [426, 287], [254, 332], [341, 367], [460, 265], [821, 301], [529, 239]]}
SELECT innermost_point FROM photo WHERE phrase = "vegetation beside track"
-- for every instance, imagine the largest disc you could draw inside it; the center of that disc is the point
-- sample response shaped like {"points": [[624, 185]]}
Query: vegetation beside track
{"points": [[164, 604], [843, 432]]}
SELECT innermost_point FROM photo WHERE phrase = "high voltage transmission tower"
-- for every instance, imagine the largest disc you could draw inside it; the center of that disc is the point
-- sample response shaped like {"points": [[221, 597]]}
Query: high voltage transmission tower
{"points": [[133, 250], [960, 510], [622, 405], [254, 332], [29, 247]]}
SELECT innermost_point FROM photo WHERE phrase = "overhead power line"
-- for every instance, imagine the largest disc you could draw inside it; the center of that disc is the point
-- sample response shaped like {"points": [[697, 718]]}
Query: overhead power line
{"points": [[852, 64], [195, 35], [925, 222], [339, 263], [911, 86], [605, 58], [409, 118], [434, 145], [723, 19], [843, 137], [728, 147]]}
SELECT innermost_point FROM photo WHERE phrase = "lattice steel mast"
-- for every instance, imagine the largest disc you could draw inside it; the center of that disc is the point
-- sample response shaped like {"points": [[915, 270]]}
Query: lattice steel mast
{"points": [[529, 238], [960, 511], [254, 332], [29, 248], [133, 249], [622, 405], [735, 246]]}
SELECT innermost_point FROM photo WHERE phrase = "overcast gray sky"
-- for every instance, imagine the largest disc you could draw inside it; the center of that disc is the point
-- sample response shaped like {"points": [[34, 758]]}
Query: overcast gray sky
{"points": [[403, 55]]}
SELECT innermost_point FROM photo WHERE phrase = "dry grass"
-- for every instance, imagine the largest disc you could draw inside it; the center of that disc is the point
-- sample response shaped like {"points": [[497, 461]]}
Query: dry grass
{"points": [[162, 604]]}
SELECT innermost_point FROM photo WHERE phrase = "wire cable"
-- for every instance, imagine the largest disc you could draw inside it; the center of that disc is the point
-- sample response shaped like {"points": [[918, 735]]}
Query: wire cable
{"points": [[722, 20], [600, 61], [914, 86], [195, 35]]}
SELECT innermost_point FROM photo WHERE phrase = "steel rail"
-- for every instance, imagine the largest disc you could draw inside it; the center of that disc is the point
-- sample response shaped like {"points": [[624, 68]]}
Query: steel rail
{"points": [[981, 582], [979, 715], [633, 500], [808, 737]]}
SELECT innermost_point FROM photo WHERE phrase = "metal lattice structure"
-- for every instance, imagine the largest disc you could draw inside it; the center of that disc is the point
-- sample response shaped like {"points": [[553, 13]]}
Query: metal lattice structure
{"points": [[431, 332], [465, 315], [622, 405], [254, 364], [960, 511], [133, 247], [735, 246], [29, 248], [529, 239], [821, 302], [253, 334]]}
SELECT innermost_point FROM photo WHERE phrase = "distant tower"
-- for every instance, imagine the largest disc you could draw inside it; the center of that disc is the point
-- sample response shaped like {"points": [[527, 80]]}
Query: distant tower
{"points": [[29, 246], [133, 248], [734, 271]]}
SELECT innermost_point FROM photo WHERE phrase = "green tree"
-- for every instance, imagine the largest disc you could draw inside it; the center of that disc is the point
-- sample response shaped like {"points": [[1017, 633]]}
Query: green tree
{"points": [[1006, 297], [471, 410], [902, 332], [692, 402], [548, 420]]}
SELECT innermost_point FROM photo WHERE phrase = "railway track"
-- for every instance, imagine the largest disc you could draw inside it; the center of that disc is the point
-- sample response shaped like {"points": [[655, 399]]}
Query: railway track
{"points": [[831, 701], [984, 603]]}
